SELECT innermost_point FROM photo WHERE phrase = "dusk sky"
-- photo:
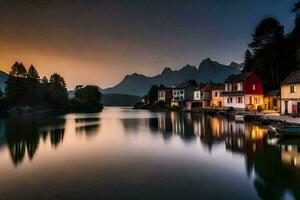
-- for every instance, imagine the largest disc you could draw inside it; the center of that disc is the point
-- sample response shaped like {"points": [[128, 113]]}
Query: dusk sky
{"points": [[99, 42]]}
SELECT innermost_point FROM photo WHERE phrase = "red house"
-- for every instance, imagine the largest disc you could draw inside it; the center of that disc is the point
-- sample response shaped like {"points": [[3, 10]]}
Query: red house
{"points": [[243, 91]]}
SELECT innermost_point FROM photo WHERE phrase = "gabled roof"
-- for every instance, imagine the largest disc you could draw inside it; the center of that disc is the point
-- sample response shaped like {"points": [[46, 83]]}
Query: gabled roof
{"points": [[162, 87], [237, 77], [206, 87], [273, 93], [294, 77], [218, 87]]}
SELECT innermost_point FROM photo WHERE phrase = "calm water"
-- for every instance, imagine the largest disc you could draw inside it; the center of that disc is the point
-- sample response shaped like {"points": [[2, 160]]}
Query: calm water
{"points": [[129, 154]]}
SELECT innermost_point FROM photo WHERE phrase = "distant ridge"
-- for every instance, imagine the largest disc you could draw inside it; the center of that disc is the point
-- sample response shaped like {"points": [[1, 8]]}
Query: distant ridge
{"points": [[3, 79], [208, 70]]}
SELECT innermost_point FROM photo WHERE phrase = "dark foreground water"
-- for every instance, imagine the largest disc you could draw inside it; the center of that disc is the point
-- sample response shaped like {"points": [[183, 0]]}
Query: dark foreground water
{"points": [[132, 154]]}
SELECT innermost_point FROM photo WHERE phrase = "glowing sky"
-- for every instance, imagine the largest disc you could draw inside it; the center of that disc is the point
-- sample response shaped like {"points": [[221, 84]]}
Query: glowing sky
{"points": [[100, 41]]}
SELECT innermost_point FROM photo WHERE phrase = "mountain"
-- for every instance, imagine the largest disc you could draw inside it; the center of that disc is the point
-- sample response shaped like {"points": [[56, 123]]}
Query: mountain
{"points": [[237, 65], [208, 70], [3, 79]]}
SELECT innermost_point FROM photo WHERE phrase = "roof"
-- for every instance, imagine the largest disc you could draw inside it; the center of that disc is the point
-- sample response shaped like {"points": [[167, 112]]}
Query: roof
{"points": [[273, 93], [218, 87], [237, 77], [162, 87], [205, 87], [294, 77]]}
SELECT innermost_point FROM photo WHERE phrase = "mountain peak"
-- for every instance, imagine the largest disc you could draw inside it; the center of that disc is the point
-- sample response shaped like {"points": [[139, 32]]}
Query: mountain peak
{"points": [[237, 65], [207, 62], [188, 67], [166, 70]]}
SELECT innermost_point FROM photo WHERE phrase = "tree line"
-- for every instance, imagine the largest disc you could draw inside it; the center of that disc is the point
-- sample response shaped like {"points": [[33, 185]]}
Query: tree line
{"points": [[272, 53], [26, 90]]}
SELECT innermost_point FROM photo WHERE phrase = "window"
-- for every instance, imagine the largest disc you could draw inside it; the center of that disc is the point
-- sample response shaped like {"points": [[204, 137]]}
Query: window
{"points": [[235, 86], [253, 86], [293, 89], [216, 94], [239, 100], [181, 91], [228, 87], [240, 86], [229, 100], [256, 100]]}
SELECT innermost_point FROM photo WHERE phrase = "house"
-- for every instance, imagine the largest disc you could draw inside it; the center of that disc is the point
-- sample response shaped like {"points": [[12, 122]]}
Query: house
{"points": [[217, 100], [202, 96], [272, 100], [243, 91], [290, 94], [165, 94], [183, 95]]}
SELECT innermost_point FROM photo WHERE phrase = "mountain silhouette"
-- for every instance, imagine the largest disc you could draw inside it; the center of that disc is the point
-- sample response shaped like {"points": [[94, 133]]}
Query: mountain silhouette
{"points": [[3, 79], [208, 70]]}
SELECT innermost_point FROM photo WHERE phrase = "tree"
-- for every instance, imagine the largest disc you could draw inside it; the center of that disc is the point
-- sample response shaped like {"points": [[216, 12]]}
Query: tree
{"points": [[267, 47], [296, 9], [89, 93], [268, 32], [152, 93], [57, 80], [45, 80], [87, 99], [193, 82], [248, 61], [1, 94], [18, 69], [32, 73]]}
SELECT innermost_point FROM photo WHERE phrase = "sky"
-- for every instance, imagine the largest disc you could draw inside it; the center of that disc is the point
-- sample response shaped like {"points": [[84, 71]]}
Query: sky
{"points": [[100, 41]]}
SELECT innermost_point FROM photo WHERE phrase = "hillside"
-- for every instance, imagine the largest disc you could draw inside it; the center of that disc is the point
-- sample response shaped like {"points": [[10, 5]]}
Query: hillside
{"points": [[3, 78], [119, 100], [208, 70]]}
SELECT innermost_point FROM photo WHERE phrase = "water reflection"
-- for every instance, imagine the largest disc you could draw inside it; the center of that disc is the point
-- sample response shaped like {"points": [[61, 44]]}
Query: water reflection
{"points": [[87, 125], [271, 171], [276, 168], [23, 135]]}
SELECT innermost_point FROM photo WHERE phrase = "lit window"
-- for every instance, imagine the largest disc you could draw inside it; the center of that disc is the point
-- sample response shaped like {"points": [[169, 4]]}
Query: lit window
{"points": [[253, 87]]}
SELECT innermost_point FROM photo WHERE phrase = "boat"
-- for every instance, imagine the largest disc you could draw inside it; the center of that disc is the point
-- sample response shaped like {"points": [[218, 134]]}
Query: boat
{"points": [[288, 131]]}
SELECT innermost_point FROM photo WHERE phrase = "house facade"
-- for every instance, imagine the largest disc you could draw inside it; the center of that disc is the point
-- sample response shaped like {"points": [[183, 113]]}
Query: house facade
{"points": [[217, 100], [272, 100], [290, 94], [183, 95], [202, 96], [243, 91], [165, 94]]}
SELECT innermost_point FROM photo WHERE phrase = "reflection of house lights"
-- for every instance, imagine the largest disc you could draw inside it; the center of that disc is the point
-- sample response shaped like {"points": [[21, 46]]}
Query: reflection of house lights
{"points": [[254, 147], [257, 133], [240, 143]]}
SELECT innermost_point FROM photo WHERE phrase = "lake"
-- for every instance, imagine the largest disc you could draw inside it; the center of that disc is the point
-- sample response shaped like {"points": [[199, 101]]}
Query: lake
{"points": [[122, 153]]}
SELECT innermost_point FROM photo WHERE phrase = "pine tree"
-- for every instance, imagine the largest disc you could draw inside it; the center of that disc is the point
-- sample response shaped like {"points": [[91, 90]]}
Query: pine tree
{"points": [[32, 73]]}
